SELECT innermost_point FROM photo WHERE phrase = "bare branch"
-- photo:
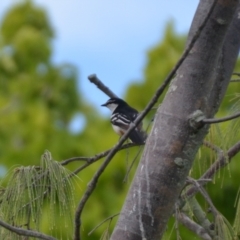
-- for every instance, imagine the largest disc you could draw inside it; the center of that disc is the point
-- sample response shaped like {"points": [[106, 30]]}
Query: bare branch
{"points": [[219, 120], [91, 160], [205, 195], [131, 165], [236, 74], [222, 161], [95, 80], [194, 227], [213, 147], [105, 220], [200, 216], [24, 232], [97, 156], [91, 186], [235, 80], [75, 159]]}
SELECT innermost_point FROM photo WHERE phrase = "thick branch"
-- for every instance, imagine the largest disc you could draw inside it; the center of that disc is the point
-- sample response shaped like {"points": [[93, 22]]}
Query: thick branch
{"points": [[226, 63]]}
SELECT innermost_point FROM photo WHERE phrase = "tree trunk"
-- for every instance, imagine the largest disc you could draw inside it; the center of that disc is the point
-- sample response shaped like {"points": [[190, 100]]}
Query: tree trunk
{"points": [[196, 91]]}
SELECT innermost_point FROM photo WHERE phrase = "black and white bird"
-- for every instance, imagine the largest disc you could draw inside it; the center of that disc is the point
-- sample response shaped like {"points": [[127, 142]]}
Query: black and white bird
{"points": [[121, 118]]}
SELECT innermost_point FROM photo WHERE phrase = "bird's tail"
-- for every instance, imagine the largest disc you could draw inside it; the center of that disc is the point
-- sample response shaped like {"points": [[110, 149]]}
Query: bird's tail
{"points": [[137, 136]]}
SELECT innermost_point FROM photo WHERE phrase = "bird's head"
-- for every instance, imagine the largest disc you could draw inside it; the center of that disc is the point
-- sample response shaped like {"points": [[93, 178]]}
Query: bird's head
{"points": [[113, 103]]}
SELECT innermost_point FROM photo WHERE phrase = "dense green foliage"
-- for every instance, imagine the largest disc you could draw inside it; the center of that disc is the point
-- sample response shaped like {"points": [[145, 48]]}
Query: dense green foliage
{"points": [[38, 101]]}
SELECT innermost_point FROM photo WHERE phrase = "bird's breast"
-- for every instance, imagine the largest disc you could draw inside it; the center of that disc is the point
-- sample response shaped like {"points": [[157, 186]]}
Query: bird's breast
{"points": [[118, 130]]}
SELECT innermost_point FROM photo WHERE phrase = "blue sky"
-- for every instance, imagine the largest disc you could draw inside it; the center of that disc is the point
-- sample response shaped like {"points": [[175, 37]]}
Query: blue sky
{"points": [[110, 37]]}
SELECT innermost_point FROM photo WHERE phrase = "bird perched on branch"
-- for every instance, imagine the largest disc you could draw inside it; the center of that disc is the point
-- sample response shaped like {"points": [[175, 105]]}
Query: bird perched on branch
{"points": [[122, 116]]}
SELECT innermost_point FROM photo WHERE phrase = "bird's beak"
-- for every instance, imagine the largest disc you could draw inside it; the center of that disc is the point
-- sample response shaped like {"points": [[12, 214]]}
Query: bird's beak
{"points": [[104, 105]]}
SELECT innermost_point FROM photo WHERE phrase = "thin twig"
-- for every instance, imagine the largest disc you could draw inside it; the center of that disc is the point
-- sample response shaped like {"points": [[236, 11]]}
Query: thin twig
{"points": [[25, 232], [236, 74], [205, 195], [219, 120], [101, 223], [131, 165], [91, 186], [93, 182], [235, 80], [94, 79], [222, 161], [97, 157], [74, 159], [176, 225], [213, 147]]}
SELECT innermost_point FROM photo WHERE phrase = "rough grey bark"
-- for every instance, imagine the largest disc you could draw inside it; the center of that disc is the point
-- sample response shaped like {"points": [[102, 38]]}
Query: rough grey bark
{"points": [[196, 91]]}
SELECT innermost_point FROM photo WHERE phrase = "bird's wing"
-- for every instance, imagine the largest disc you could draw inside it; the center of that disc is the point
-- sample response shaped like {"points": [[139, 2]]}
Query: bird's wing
{"points": [[120, 120], [123, 122]]}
